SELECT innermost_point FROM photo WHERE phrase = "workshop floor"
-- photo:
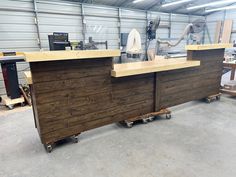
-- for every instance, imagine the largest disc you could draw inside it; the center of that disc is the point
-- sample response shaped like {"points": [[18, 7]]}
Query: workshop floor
{"points": [[200, 141]]}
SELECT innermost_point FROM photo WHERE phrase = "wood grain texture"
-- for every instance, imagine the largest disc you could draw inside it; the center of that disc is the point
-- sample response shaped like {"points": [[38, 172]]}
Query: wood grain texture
{"points": [[218, 32], [180, 86], [129, 69], [209, 46], [72, 96], [69, 55], [71, 99], [226, 33]]}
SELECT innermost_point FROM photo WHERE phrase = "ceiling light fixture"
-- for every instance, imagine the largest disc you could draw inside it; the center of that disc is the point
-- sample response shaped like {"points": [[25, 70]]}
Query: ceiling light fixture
{"points": [[136, 1], [211, 4], [175, 3], [221, 8]]}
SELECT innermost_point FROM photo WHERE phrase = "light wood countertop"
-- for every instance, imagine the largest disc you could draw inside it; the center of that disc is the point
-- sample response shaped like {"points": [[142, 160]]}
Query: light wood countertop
{"points": [[69, 55], [208, 46], [129, 69]]}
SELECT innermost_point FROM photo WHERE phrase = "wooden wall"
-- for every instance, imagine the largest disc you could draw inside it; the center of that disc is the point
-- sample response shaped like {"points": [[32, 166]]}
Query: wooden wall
{"points": [[74, 96], [180, 86]]}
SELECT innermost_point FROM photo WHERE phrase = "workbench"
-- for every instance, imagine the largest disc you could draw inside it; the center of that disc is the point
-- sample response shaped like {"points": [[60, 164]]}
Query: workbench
{"points": [[232, 66], [75, 91]]}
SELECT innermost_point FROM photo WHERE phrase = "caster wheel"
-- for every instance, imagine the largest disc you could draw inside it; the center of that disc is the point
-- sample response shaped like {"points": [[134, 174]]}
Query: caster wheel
{"points": [[10, 107], [151, 119], [76, 139], [208, 100], [22, 104], [145, 121], [48, 148], [217, 97], [129, 125], [168, 116]]}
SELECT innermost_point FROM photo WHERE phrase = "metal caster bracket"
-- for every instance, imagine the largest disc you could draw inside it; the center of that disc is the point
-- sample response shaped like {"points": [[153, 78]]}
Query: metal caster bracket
{"points": [[145, 121], [168, 116], [76, 138], [48, 147], [10, 107], [129, 124]]}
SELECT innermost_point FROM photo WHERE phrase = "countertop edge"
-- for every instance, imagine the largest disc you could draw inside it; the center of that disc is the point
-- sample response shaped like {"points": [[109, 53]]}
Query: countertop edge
{"points": [[69, 55], [208, 46], [139, 71]]}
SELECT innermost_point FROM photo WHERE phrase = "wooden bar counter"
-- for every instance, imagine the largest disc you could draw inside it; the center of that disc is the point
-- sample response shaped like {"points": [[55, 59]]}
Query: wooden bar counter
{"points": [[75, 91]]}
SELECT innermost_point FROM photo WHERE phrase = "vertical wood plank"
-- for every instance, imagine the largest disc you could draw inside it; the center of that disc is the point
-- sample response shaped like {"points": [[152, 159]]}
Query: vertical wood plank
{"points": [[217, 32], [226, 34]]}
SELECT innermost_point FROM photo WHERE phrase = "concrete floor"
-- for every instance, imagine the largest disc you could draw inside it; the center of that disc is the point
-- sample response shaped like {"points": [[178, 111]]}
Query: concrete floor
{"points": [[200, 141]]}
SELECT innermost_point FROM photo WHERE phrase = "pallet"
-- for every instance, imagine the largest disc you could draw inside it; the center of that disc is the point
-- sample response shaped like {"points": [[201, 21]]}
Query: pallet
{"points": [[10, 103], [212, 98], [146, 118]]}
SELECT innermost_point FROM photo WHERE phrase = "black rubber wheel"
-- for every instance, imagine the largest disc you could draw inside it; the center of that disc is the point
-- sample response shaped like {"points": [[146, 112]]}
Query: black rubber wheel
{"points": [[48, 148], [10, 107], [151, 119], [129, 125], [208, 100], [145, 121], [75, 139], [168, 116]]}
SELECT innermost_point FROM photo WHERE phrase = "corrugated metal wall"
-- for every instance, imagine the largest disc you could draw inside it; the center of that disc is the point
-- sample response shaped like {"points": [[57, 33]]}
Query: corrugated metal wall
{"points": [[17, 32], [18, 29]]}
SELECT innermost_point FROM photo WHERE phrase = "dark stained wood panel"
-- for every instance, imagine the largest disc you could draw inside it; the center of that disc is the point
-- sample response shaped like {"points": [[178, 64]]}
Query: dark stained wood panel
{"points": [[180, 86], [74, 96]]}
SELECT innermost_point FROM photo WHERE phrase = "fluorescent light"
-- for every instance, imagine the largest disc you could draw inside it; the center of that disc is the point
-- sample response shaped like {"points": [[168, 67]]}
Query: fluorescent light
{"points": [[175, 3], [221, 8], [136, 1], [211, 4]]}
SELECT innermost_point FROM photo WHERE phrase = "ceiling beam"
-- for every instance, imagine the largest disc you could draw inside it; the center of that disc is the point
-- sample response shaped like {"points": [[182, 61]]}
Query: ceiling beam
{"points": [[195, 11], [177, 8], [86, 1], [124, 2], [158, 3], [180, 6], [209, 13], [119, 3]]}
